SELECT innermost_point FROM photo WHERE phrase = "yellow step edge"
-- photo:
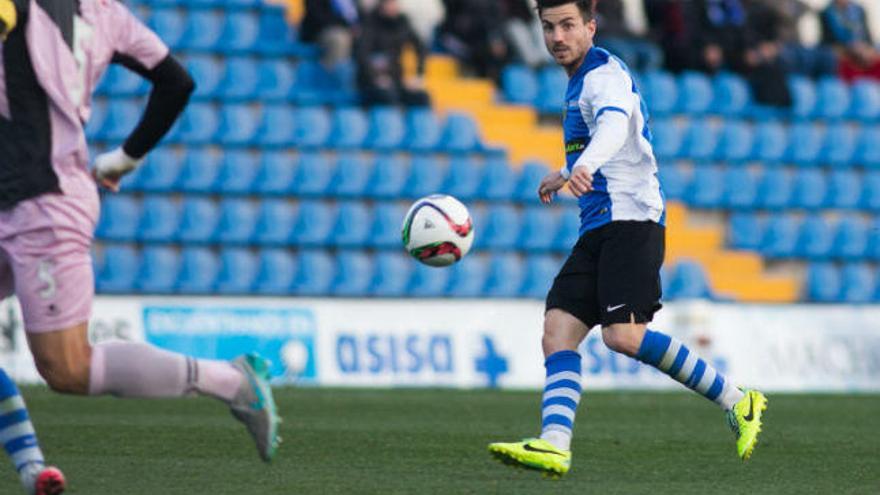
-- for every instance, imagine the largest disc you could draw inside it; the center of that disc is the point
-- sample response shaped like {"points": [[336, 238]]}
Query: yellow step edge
{"points": [[757, 290]]}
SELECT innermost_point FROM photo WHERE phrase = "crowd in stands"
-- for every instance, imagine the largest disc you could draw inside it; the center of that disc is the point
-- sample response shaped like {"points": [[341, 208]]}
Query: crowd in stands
{"points": [[762, 40]]}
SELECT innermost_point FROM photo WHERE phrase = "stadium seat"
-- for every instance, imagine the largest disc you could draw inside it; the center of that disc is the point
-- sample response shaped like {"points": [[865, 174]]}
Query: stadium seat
{"points": [[312, 127], [160, 217], [463, 180], [859, 283], [688, 281], [707, 187], [804, 96], [238, 125], [200, 171], [660, 91], [198, 222], [839, 148], [275, 80], [865, 105], [354, 274], [871, 191], [278, 126], [275, 222], [352, 227], [199, 267], [815, 239], [241, 32], [867, 152], [745, 231], [349, 128], [468, 277], [460, 134], [238, 221], [530, 178], [540, 272], [203, 31], [423, 130], [775, 190], [735, 142], [276, 174], [119, 219], [427, 174], [238, 271], [314, 224], [771, 142], [873, 251], [120, 81], [238, 171], [568, 232], [160, 172], [276, 273], [169, 25], [386, 224], [823, 283], [740, 188], [539, 225], [810, 189], [389, 177], [519, 84], [197, 125], [96, 123], [498, 181], [241, 77], [158, 270], [844, 190], [700, 140], [316, 273], [207, 72], [314, 175], [668, 139], [122, 117], [506, 276], [833, 99], [780, 237], [733, 96], [552, 85], [352, 176], [502, 228], [850, 239], [387, 128], [804, 144], [317, 85], [391, 277], [675, 181], [118, 271], [695, 93], [427, 281], [277, 36]]}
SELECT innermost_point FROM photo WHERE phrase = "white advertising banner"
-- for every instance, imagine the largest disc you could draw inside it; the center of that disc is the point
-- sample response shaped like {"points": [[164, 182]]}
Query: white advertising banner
{"points": [[479, 343]]}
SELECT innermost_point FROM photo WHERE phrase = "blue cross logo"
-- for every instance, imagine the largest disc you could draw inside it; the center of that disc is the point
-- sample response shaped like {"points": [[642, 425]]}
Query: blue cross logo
{"points": [[491, 364]]}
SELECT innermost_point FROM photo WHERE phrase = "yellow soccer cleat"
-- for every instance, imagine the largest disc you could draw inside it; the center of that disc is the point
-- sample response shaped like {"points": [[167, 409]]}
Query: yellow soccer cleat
{"points": [[535, 454], [745, 421]]}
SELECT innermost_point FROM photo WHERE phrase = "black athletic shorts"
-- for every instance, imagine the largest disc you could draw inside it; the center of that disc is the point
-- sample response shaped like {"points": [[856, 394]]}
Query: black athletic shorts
{"points": [[612, 274]]}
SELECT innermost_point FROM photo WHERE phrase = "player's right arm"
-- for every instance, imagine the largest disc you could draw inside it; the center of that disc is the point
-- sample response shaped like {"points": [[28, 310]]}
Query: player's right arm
{"points": [[8, 18]]}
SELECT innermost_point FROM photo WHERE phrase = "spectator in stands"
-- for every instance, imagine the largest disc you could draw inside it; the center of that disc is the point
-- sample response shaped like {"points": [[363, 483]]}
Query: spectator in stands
{"points": [[677, 27], [471, 32], [524, 34], [845, 26], [330, 24], [616, 35], [384, 34], [813, 61], [763, 63]]}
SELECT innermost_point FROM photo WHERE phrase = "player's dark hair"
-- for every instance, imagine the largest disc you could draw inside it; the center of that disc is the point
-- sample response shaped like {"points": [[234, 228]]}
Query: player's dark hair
{"points": [[587, 7]]}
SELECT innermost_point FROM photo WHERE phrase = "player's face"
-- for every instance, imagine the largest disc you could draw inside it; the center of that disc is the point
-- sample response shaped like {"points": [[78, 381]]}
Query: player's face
{"points": [[567, 36]]}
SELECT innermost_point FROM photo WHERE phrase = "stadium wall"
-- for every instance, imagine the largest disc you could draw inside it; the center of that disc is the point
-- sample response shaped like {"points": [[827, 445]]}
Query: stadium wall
{"points": [[479, 343]]}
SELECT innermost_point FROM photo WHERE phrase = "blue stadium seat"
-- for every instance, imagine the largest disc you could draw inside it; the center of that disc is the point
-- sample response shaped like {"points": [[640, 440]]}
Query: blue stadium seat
{"points": [[865, 106], [871, 191], [733, 97], [275, 222], [688, 281], [122, 117], [238, 271], [530, 178], [810, 189], [158, 270], [735, 142], [506, 276], [317, 85], [238, 220], [552, 84], [238, 171], [868, 153], [314, 224], [387, 128], [660, 91], [277, 36], [468, 277], [815, 239], [118, 270], [859, 283], [464, 177], [833, 99], [198, 222], [539, 225], [241, 76], [389, 176], [160, 217], [207, 72], [313, 175], [199, 267], [460, 134], [95, 125], [668, 139], [845, 189], [540, 272], [824, 283], [696, 93], [707, 187], [775, 190], [426, 176], [700, 140], [519, 84], [568, 232], [427, 281], [201, 168], [278, 126], [275, 80], [873, 251], [353, 174], [354, 274], [241, 32], [423, 130], [502, 228], [804, 96], [349, 128], [119, 219], [169, 25], [740, 188], [392, 273], [771, 142], [745, 231], [675, 181], [780, 237], [311, 128], [386, 225], [203, 31], [276, 273], [498, 181], [352, 227], [850, 239], [805, 144], [839, 148], [316, 273], [276, 174], [122, 82], [238, 125], [197, 125]]}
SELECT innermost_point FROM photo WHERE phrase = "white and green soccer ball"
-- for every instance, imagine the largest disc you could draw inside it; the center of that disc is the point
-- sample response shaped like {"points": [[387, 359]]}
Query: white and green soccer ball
{"points": [[438, 230]]}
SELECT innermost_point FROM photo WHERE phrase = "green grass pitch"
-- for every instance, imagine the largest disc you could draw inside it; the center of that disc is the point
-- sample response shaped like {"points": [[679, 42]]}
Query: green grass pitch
{"points": [[434, 442]]}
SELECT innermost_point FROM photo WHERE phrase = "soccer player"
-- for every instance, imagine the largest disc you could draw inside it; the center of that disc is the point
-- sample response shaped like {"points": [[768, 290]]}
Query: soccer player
{"points": [[612, 277], [52, 55]]}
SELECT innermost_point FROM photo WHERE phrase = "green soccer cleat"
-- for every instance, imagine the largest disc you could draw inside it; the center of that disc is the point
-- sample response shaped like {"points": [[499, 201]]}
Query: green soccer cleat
{"points": [[255, 407], [535, 454], [745, 421]]}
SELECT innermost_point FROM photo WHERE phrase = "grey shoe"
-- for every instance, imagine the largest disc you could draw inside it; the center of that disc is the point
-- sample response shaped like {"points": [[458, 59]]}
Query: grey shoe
{"points": [[254, 405]]}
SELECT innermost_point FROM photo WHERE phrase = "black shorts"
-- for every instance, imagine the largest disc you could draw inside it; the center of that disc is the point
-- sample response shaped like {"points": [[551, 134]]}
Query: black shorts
{"points": [[612, 274]]}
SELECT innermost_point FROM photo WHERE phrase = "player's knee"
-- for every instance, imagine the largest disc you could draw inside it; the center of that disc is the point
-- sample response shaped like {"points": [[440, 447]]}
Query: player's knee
{"points": [[624, 339], [64, 375]]}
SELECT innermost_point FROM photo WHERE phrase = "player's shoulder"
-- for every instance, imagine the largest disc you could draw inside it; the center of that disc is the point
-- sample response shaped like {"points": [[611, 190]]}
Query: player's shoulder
{"points": [[603, 65]]}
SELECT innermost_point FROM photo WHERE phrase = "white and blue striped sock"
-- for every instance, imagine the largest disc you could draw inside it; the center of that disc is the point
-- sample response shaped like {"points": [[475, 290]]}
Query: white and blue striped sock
{"points": [[672, 357], [16, 431], [562, 393]]}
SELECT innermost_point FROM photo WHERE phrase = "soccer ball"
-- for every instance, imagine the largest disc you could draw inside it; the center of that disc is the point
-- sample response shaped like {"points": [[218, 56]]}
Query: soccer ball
{"points": [[438, 230]]}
